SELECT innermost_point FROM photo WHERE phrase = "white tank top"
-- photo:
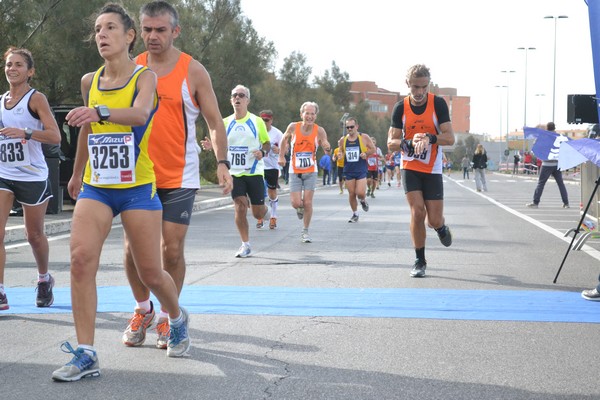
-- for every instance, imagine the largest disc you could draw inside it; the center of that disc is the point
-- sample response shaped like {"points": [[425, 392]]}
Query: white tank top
{"points": [[21, 160]]}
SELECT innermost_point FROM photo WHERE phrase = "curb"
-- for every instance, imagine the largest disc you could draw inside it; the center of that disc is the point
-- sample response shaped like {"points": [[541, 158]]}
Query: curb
{"points": [[15, 234]]}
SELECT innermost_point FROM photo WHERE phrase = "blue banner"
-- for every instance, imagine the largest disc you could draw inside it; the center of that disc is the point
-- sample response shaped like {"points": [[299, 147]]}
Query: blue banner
{"points": [[594, 13]]}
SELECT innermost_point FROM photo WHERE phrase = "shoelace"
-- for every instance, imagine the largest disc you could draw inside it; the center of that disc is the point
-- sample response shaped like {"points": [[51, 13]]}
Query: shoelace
{"points": [[42, 288], [136, 321], [177, 334], [80, 359], [163, 328]]}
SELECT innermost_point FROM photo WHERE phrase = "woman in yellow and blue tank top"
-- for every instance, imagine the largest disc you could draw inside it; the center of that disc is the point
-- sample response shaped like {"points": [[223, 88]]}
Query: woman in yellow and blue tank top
{"points": [[113, 174]]}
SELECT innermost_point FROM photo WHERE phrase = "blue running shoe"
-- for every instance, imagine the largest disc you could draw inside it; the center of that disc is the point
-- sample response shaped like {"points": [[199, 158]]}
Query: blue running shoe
{"points": [[81, 365], [179, 338]]}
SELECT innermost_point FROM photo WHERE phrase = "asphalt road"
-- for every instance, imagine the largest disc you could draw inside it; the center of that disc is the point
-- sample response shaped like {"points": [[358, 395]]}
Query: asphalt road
{"points": [[340, 318]]}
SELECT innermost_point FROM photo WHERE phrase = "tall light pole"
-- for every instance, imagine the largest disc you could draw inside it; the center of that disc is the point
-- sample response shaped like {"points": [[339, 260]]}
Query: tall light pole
{"points": [[526, 49], [507, 72], [555, 18], [506, 155]]}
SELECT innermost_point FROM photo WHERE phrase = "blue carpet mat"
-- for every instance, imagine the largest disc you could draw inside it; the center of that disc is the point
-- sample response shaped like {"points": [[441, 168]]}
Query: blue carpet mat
{"points": [[492, 305]]}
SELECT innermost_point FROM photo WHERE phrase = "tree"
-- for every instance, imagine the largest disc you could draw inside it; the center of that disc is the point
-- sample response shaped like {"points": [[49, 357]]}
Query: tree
{"points": [[336, 83], [295, 72]]}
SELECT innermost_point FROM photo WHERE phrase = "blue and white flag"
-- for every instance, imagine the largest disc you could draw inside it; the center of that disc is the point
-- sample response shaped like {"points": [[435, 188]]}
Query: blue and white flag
{"points": [[547, 144], [575, 152]]}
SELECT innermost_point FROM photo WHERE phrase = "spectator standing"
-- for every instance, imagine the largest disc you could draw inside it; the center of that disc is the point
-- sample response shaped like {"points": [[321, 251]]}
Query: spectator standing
{"points": [[325, 165], [465, 164], [550, 168], [479, 167]]}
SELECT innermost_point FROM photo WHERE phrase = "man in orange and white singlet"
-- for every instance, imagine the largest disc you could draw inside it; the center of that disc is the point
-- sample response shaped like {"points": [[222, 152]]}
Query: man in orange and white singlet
{"points": [[185, 90], [304, 138], [420, 125]]}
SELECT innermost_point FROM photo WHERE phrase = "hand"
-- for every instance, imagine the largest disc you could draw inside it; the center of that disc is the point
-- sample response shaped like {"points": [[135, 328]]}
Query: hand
{"points": [[225, 179], [275, 149], [82, 115], [13, 133], [206, 144], [420, 142], [74, 187], [258, 154]]}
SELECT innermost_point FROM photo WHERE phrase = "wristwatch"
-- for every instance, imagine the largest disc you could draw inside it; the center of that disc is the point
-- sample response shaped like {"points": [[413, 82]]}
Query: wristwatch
{"points": [[226, 162], [28, 133], [103, 112]]}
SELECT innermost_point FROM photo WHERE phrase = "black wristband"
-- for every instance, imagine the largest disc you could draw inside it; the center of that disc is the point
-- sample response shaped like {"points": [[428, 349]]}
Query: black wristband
{"points": [[432, 138], [226, 162], [264, 153]]}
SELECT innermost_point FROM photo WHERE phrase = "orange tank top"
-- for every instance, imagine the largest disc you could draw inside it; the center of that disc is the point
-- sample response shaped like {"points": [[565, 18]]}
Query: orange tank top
{"points": [[173, 146], [429, 161], [304, 150]]}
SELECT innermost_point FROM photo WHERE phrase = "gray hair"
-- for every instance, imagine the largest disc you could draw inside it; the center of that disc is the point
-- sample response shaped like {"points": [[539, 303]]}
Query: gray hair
{"points": [[158, 8], [418, 71], [309, 103], [244, 88]]}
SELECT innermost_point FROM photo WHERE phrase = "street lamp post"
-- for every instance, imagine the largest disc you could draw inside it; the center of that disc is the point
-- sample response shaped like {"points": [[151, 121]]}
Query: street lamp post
{"points": [[507, 72], [554, 73], [506, 155], [527, 49]]}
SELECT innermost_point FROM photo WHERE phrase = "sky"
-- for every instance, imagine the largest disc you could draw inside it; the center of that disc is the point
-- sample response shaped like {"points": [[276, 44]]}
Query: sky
{"points": [[465, 43]]}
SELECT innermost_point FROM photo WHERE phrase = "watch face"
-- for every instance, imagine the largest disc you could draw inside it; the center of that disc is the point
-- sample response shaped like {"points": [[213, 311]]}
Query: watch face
{"points": [[103, 112]]}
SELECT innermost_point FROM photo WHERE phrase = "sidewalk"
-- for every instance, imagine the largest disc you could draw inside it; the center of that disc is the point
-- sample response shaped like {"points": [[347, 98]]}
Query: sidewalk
{"points": [[210, 196]]}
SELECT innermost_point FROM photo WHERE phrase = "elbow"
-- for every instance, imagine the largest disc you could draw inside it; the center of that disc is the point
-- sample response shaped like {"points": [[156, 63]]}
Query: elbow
{"points": [[55, 139], [140, 117]]}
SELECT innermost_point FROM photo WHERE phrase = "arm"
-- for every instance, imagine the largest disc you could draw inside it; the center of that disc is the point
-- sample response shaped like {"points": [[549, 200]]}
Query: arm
{"points": [[264, 139], [444, 138], [322, 139], [136, 115], [209, 107], [50, 134], [81, 155], [394, 139], [285, 141], [370, 146]]}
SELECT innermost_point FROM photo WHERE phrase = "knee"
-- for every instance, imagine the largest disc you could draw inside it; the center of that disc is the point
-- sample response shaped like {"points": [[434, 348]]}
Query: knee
{"points": [[419, 214], [152, 279], [172, 254], [81, 265], [241, 208], [36, 237], [259, 211]]}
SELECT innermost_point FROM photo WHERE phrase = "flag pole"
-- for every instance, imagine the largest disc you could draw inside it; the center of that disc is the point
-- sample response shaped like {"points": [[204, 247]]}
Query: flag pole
{"points": [[587, 207]]}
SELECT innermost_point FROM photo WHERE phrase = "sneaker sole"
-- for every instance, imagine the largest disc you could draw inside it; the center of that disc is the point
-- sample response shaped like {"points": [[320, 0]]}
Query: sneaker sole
{"points": [[86, 374], [4, 307], [417, 274], [44, 305], [590, 298]]}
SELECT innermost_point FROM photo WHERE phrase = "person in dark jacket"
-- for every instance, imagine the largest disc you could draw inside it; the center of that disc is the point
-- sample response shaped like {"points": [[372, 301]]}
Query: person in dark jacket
{"points": [[479, 166]]}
